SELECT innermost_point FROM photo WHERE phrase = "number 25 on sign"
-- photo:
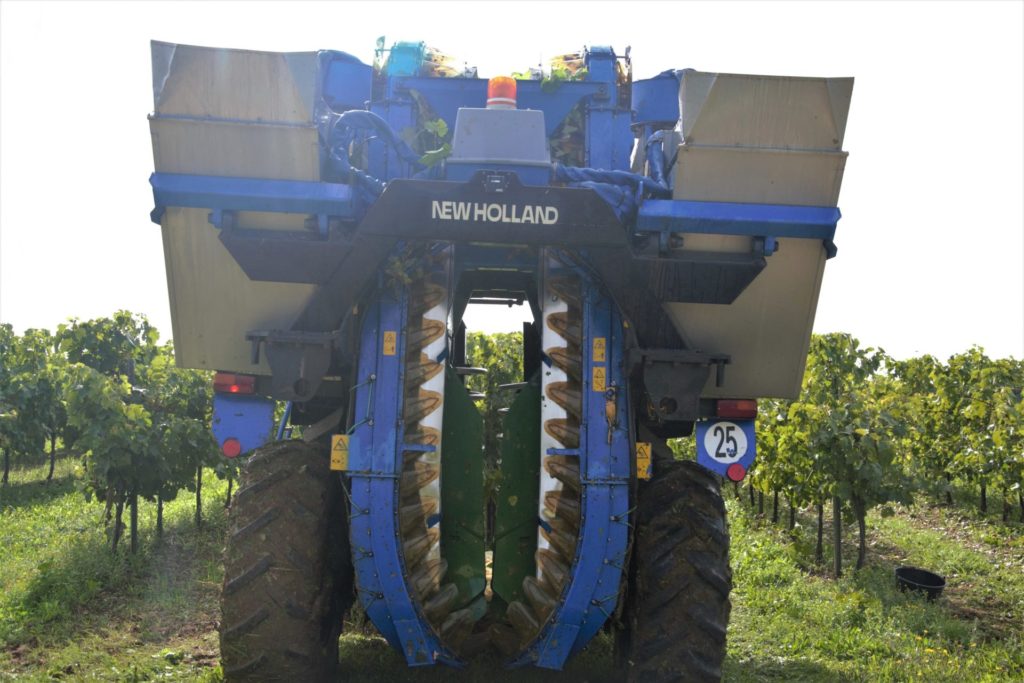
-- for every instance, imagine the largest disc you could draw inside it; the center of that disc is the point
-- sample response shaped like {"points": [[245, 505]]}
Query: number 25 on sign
{"points": [[726, 447]]}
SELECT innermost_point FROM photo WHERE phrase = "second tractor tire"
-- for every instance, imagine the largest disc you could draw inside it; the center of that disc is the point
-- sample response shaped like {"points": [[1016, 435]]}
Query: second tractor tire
{"points": [[286, 566], [678, 608]]}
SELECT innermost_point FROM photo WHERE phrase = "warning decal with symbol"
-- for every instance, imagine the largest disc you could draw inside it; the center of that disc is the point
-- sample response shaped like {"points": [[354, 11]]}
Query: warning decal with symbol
{"points": [[598, 379], [643, 460], [390, 343], [339, 452]]}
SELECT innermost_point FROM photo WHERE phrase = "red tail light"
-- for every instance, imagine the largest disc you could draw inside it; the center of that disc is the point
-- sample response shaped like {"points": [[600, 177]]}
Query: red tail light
{"points": [[740, 409], [230, 383]]}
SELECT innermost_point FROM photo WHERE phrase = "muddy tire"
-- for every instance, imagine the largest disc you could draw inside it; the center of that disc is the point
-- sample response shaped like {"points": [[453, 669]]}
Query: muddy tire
{"points": [[678, 606], [285, 568]]}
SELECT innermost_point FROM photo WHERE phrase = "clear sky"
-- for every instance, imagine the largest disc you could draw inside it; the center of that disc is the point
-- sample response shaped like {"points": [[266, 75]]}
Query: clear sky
{"points": [[931, 244]]}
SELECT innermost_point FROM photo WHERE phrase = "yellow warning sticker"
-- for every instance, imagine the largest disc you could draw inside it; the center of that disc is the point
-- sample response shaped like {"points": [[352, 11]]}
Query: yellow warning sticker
{"points": [[390, 343], [339, 452], [598, 353], [643, 460], [597, 378]]}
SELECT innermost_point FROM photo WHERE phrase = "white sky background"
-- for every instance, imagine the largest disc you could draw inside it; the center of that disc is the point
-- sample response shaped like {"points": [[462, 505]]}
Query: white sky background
{"points": [[931, 244]]}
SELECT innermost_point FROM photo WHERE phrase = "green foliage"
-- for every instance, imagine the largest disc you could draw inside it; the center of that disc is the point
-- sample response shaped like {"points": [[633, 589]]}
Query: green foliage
{"points": [[112, 346], [683, 448], [993, 416], [965, 415], [180, 402], [501, 355], [440, 147], [438, 127], [843, 427], [870, 430], [121, 447], [436, 156], [32, 379], [431, 138], [926, 450], [141, 423], [560, 74], [1008, 434]]}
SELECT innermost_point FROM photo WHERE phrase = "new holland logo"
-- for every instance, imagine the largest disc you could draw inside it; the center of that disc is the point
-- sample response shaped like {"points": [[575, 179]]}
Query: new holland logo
{"points": [[493, 213]]}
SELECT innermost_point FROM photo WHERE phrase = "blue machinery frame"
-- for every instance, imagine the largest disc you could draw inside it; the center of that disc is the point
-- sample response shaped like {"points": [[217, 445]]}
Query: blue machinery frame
{"points": [[333, 200], [375, 452], [376, 441], [376, 446], [769, 221], [609, 138], [604, 452]]}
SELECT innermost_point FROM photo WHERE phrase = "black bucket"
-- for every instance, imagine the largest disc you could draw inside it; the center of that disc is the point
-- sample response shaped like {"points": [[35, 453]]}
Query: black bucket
{"points": [[912, 578]]}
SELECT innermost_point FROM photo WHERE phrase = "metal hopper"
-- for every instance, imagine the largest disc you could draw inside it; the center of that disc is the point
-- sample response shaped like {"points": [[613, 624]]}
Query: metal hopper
{"points": [[760, 140]]}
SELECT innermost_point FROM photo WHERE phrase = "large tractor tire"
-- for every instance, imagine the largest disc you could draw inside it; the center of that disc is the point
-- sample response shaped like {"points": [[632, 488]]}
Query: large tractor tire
{"points": [[678, 606], [287, 571]]}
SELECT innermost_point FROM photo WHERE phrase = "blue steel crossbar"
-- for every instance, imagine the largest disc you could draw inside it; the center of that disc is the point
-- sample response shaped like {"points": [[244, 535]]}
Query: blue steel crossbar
{"points": [[250, 194], [726, 218]]}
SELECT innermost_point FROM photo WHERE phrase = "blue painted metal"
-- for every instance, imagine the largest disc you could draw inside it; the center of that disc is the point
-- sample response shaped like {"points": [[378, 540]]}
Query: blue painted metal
{"points": [[605, 471], [555, 101], [656, 100], [374, 466], [609, 139], [384, 162], [345, 81], [345, 84], [282, 427], [250, 194], [719, 444], [250, 419], [725, 218], [590, 597]]}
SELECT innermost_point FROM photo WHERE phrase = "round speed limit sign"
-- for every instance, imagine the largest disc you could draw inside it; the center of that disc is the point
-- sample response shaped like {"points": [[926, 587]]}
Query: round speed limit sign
{"points": [[725, 442]]}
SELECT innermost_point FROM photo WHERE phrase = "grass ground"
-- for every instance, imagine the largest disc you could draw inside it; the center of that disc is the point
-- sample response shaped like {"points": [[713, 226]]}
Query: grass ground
{"points": [[793, 622], [72, 610]]}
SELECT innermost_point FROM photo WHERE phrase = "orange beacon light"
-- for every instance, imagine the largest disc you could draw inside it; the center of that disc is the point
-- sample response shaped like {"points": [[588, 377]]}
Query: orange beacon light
{"points": [[501, 93]]}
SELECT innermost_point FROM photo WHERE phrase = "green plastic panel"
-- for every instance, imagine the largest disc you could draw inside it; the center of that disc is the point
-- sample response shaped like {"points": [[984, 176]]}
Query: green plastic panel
{"points": [[462, 490], [515, 518]]}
